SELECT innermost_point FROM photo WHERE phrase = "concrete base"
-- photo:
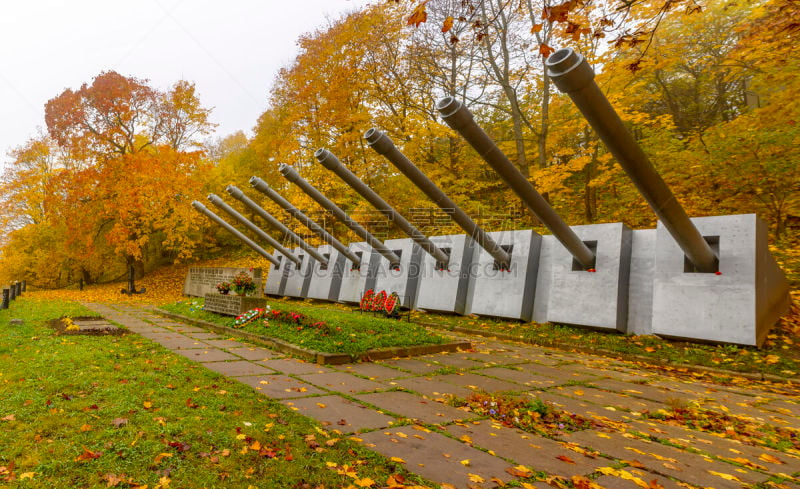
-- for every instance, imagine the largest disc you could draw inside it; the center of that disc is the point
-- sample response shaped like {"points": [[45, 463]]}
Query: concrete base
{"points": [[276, 277], [446, 290], [403, 280], [326, 282], [298, 277], [508, 294], [738, 306], [354, 281], [597, 299], [640, 282]]}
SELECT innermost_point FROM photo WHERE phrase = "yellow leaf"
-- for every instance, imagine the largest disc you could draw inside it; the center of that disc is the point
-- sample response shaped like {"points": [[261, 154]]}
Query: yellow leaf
{"points": [[727, 477], [160, 457], [769, 458], [147, 404], [464, 462], [86, 427], [27, 475], [398, 460], [365, 482], [475, 478], [323, 406]]}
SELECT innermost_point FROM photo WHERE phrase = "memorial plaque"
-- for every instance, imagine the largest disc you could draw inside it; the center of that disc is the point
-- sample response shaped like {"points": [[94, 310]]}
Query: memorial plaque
{"points": [[232, 305], [202, 281]]}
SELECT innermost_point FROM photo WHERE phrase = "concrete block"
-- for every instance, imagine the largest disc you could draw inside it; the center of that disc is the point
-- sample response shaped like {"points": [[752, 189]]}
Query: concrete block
{"points": [[326, 281], [405, 279], [298, 277], [597, 299], [446, 289], [507, 294], [640, 282], [276, 277], [354, 280], [739, 305]]}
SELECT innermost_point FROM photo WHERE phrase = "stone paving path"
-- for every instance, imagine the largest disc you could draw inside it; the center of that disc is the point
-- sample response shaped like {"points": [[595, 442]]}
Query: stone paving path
{"points": [[375, 401]]}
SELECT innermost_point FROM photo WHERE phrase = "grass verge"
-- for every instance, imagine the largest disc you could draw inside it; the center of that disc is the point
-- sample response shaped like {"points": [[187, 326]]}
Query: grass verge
{"points": [[121, 411], [344, 332]]}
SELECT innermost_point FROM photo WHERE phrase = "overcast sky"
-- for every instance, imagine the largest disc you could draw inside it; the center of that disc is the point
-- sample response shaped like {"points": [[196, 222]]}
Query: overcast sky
{"points": [[231, 49]]}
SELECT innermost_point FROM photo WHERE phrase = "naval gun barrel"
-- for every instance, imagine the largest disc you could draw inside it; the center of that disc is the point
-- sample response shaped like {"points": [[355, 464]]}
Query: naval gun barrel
{"points": [[265, 189], [237, 194], [573, 75], [459, 118], [331, 162], [252, 227], [294, 177], [244, 239], [383, 145]]}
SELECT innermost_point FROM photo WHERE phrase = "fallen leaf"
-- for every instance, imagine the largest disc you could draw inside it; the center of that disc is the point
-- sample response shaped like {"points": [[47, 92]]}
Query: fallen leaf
{"points": [[160, 457], [86, 427], [10, 417], [398, 460], [769, 458], [147, 404], [475, 478], [727, 477], [566, 459], [464, 462], [87, 455]]}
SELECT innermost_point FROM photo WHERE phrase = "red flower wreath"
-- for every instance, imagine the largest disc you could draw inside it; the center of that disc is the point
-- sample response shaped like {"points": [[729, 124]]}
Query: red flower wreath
{"points": [[378, 301], [392, 304], [366, 300]]}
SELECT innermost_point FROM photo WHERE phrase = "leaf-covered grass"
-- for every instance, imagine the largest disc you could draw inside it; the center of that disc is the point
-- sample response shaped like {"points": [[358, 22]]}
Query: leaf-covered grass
{"points": [[85, 411], [346, 332]]}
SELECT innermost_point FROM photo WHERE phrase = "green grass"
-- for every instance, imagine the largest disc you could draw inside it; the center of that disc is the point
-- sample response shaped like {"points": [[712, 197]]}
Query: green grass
{"points": [[182, 422], [346, 332]]}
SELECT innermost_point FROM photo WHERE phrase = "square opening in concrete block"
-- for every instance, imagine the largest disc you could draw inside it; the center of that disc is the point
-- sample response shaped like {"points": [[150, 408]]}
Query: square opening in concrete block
{"points": [[496, 265], [595, 297], [443, 287], [276, 277], [578, 266], [713, 242]]}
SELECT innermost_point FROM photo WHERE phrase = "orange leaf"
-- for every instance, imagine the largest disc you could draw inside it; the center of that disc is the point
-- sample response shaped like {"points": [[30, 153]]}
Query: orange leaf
{"points": [[419, 15], [545, 50], [87, 455], [566, 459], [448, 24], [769, 458], [536, 28]]}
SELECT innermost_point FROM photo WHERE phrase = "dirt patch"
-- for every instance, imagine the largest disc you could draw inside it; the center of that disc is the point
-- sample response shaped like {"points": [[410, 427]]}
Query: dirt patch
{"points": [[85, 325]]}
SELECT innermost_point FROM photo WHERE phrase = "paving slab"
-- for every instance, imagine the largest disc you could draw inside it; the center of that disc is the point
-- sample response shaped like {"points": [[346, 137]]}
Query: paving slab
{"points": [[338, 413], [527, 449], [280, 386], [374, 371], [205, 336], [519, 376], [343, 382], [182, 343], [293, 366], [414, 407], [432, 387], [207, 355], [457, 360], [605, 398], [253, 353], [413, 366], [184, 328], [554, 373], [667, 461], [481, 383], [438, 457], [239, 368], [225, 344], [652, 392]]}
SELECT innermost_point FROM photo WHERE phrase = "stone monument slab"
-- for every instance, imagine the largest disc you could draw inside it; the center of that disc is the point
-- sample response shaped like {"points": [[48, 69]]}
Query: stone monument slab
{"points": [[203, 280]]}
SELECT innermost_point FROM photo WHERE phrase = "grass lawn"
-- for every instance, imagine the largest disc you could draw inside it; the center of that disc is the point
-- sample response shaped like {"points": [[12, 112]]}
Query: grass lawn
{"points": [[344, 331], [121, 411]]}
